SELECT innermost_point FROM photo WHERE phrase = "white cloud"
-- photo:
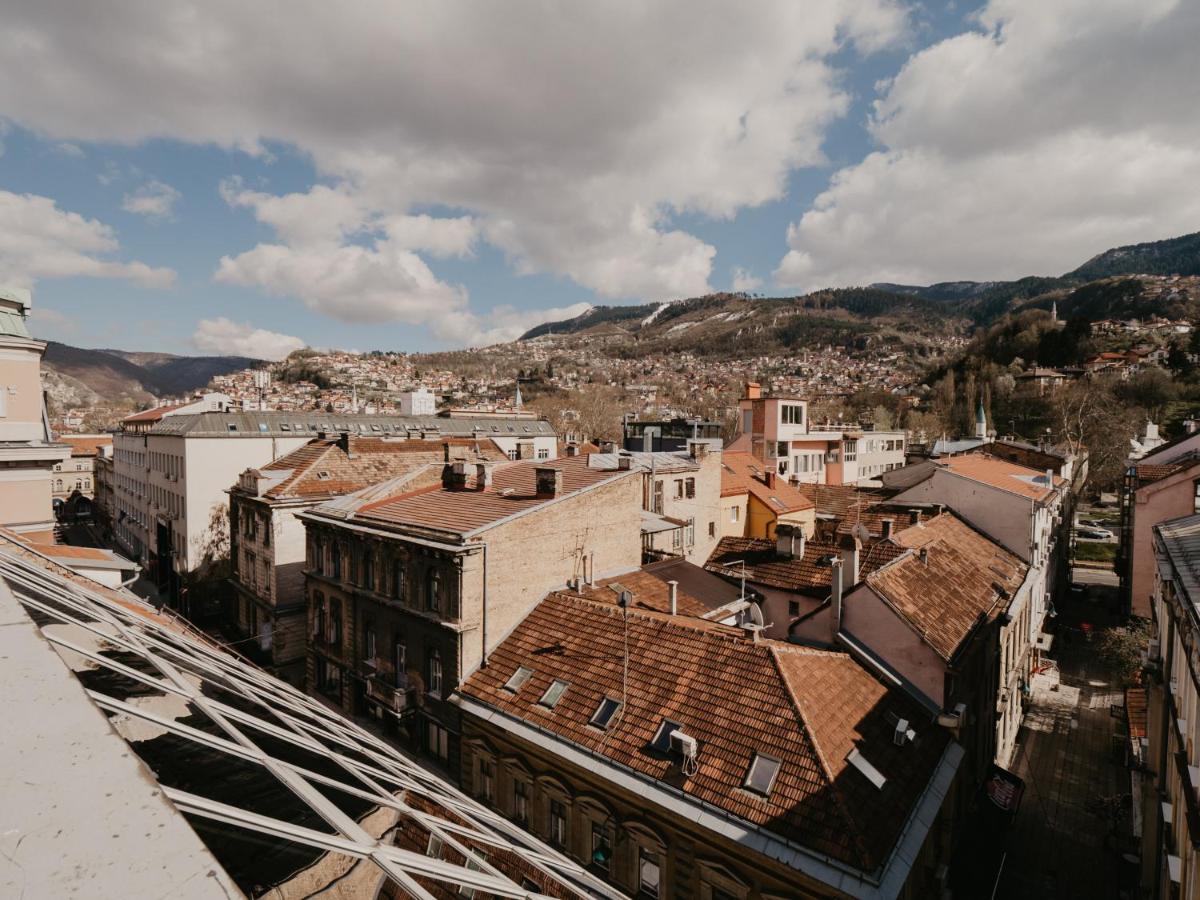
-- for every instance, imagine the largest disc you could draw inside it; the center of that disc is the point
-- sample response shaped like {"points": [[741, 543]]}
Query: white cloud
{"points": [[1054, 131], [503, 323], [569, 136], [224, 337], [745, 281], [39, 240], [154, 200], [66, 148]]}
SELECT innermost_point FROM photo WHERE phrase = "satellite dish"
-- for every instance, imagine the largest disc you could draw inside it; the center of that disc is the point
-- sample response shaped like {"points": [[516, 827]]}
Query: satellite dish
{"points": [[756, 616], [861, 532]]}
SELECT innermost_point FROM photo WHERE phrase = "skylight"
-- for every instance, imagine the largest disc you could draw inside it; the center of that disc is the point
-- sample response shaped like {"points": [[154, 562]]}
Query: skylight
{"points": [[859, 762], [553, 694], [662, 737], [518, 679], [604, 713], [761, 776]]}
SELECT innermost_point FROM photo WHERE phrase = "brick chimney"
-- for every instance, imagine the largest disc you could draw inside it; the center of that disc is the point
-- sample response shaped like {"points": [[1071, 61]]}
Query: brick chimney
{"points": [[524, 449], [698, 450], [344, 443], [753, 390], [454, 475], [768, 478], [483, 475], [549, 481]]}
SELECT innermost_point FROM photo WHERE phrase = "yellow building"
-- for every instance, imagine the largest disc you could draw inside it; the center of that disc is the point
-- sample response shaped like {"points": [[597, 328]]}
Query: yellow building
{"points": [[754, 500]]}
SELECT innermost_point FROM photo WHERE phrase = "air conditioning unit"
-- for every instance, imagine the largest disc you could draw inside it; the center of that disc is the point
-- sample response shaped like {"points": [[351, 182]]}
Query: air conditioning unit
{"points": [[903, 734], [683, 744]]}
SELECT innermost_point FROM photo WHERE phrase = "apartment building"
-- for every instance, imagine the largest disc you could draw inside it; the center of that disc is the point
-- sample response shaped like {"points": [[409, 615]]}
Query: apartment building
{"points": [[28, 452], [1171, 776], [678, 757], [755, 501], [409, 590], [76, 477], [174, 465], [778, 432], [267, 539]]}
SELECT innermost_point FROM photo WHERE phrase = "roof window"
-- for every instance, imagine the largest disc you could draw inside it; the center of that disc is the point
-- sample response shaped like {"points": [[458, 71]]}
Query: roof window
{"points": [[231, 427], [284, 426], [518, 679], [662, 737], [761, 775], [264, 427], [604, 713], [323, 475], [553, 694], [859, 762]]}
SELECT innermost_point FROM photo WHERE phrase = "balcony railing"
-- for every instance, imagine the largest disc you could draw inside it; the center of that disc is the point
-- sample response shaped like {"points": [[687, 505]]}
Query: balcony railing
{"points": [[392, 692]]}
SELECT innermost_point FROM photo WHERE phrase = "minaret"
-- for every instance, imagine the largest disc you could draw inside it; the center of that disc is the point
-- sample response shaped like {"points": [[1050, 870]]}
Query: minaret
{"points": [[1053, 312], [517, 402], [981, 428]]}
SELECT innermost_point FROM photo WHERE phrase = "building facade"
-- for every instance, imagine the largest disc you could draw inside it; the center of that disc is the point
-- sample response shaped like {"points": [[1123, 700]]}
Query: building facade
{"points": [[28, 452]]}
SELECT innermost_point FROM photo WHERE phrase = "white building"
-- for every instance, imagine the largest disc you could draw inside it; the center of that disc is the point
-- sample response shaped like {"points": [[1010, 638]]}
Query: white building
{"points": [[420, 402]]}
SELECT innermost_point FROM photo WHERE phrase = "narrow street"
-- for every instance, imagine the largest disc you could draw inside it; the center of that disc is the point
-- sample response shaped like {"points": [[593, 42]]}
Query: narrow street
{"points": [[1072, 757]]}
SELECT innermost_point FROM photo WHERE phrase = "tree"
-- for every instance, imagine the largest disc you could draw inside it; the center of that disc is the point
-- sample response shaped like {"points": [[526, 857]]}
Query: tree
{"points": [[1088, 416]]}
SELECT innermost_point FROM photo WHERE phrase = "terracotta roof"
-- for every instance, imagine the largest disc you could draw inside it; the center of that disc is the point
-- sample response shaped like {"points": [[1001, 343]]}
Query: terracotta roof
{"points": [[85, 444], [698, 593], [153, 415], [463, 511], [961, 578], [321, 468], [64, 551], [737, 697], [1136, 705], [841, 499], [1000, 473], [1148, 472], [741, 474], [806, 574]]}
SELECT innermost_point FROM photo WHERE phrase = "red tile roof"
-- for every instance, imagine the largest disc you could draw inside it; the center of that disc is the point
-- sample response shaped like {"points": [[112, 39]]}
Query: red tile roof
{"points": [[1000, 473], [698, 593], [737, 697], [321, 468], [961, 578], [741, 473], [807, 574], [85, 444], [466, 510], [841, 499], [153, 415]]}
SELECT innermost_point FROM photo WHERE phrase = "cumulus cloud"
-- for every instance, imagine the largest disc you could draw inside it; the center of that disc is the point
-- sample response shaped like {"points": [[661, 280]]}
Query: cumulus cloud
{"points": [[571, 137], [1024, 146], [744, 280], [224, 337], [39, 240], [154, 200], [503, 323]]}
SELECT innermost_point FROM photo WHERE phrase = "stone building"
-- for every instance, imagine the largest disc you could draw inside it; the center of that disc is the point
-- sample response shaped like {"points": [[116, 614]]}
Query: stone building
{"points": [[267, 540], [409, 590]]}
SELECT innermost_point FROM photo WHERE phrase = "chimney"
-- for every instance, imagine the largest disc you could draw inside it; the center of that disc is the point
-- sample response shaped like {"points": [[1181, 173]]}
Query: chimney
{"points": [[848, 548], [885, 528], [769, 479], [836, 588], [344, 443], [753, 390], [785, 541], [446, 452], [923, 555], [698, 450], [607, 446], [524, 450], [549, 481], [674, 587], [1049, 478], [572, 449], [624, 463], [483, 475], [454, 475], [914, 516]]}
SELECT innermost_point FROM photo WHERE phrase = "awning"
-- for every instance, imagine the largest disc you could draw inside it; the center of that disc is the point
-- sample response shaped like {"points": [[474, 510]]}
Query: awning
{"points": [[652, 523]]}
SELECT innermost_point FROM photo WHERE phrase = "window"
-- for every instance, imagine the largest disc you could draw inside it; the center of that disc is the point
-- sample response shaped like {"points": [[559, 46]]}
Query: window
{"points": [[649, 876], [553, 694], [336, 558], [735, 514], [433, 590], [435, 673], [487, 781], [691, 532], [678, 488], [512, 454], [334, 630], [399, 580], [601, 847], [329, 679], [791, 414], [318, 625], [604, 713], [1196, 497], [400, 660], [712, 529], [518, 679], [662, 737], [369, 643], [761, 775], [434, 847], [543, 453], [657, 506], [368, 571], [689, 488], [850, 450], [781, 449], [558, 824], [793, 608], [437, 741], [521, 802], [232, 428]]}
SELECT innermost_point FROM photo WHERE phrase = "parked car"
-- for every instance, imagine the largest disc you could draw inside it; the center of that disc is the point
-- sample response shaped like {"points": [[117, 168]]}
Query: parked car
{"points": [[1094, 534]]}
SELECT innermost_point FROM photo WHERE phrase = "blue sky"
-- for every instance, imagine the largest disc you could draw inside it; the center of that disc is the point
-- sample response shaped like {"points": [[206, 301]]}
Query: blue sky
{"points": [[427, 180]]}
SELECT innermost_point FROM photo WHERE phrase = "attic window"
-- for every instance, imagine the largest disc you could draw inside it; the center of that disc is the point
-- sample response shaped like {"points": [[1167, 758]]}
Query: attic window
{"points": [[284, 426], [496, 428], [859, 762], [264, 427], [518, 679], [376, 428], [761, 776], [604, 713], [662, 737], [553, 694], [231, 427], [323, 475]]}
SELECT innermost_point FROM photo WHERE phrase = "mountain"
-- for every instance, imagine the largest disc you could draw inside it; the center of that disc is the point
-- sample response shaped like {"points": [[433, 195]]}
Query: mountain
{"points": [[1176, 256], [134, 376]]}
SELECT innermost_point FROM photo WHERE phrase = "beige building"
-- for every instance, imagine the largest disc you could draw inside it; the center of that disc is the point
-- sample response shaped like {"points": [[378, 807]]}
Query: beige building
{"points": [[409, 589], [74, 487], [28, 453]]}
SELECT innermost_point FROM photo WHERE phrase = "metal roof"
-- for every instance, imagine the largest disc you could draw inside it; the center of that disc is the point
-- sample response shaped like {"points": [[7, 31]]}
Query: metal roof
{"points": [[282, 791], [1181, 539], [280, 423]]}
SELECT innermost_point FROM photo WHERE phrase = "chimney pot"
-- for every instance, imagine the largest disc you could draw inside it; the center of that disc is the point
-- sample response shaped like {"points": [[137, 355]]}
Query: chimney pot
{"points": [[836, 589], [674, 588], [785, 541]]}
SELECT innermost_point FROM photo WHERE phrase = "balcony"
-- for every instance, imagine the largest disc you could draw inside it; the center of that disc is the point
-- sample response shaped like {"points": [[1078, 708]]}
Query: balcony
{"points": [[392, 693]]}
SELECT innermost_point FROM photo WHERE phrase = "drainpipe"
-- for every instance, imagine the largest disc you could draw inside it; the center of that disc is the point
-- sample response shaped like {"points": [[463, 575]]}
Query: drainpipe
{"points": [[483, 624]]}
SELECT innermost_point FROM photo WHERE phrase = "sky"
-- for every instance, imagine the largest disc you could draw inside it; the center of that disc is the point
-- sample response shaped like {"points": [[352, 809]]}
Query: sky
{"points": [[226, 177]]}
